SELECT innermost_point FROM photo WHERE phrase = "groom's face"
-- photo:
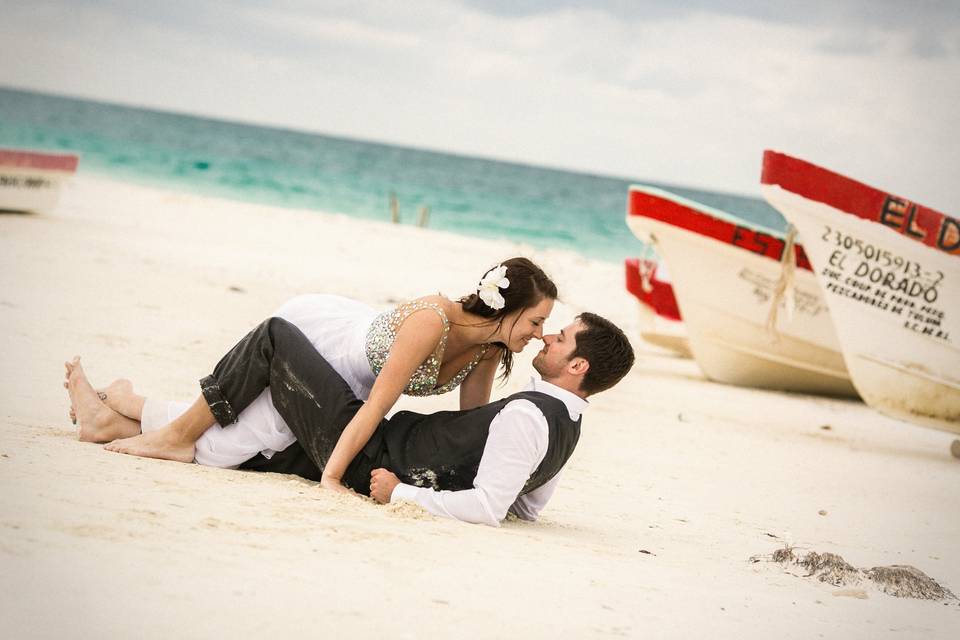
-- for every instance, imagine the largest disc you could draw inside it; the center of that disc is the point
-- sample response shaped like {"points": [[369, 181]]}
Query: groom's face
{"points": [[557, 350]]}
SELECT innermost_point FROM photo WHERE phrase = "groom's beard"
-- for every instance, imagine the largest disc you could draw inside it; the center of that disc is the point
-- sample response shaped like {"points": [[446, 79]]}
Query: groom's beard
{"points": [[538, 363], [543, 367]]}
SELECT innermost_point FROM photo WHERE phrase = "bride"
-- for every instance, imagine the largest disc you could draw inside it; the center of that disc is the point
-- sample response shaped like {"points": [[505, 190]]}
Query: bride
{"points": [[427, 346]]}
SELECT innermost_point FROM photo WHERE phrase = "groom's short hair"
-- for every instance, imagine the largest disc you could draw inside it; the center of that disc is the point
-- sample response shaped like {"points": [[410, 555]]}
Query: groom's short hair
{"points": [[606, 348]]}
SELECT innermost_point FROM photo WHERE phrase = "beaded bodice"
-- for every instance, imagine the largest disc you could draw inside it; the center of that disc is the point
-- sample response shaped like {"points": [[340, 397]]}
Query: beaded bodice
{"points": [[382, 333]]}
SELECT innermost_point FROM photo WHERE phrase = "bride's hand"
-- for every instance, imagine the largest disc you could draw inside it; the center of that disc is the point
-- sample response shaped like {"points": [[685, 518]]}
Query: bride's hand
{"points": [[334, 484]]}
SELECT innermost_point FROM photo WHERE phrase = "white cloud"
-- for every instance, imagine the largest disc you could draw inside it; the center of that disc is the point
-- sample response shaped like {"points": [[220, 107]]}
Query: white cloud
{"points": [[339, 30]]}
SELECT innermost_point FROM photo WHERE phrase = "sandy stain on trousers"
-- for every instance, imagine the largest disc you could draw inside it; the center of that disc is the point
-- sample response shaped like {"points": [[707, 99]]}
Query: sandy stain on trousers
{"points": [[219, 407], [321, 445]]}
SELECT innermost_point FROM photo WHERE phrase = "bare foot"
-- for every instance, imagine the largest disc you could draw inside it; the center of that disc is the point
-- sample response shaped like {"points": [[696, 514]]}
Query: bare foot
{"points": [[119, 396], [68, 365], [98, 422], [163, 443]]}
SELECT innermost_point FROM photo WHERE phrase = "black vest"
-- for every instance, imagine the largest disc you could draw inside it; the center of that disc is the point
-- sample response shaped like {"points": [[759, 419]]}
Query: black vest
{"points": [[443, 450]]}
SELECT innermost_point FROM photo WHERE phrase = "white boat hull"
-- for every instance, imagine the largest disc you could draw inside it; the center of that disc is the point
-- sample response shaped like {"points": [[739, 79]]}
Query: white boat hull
{"points": [[663, 332], [31, 180], [725, 295], [30, 190], [899, 334], [660, 322]]}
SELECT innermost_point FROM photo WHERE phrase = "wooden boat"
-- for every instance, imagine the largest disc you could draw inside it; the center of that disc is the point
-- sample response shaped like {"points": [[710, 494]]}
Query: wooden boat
{"points": [[31, 180], [660, 321], [735, 282], [890, 270]]}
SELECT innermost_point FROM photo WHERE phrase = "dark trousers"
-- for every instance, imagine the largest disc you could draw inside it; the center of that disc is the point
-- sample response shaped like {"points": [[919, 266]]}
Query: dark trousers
{"points": [[309, 394]]}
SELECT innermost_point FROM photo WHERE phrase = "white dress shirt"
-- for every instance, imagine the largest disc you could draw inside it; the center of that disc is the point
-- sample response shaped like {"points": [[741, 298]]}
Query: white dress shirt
{"points": [[516, 445]]}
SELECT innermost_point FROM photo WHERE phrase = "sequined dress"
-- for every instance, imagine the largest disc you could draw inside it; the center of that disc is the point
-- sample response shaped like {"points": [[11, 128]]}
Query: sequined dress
{"points": [[383, 331], [353, 338]]}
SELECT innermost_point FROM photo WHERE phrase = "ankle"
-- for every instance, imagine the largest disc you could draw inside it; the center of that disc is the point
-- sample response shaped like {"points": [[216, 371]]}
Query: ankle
{"points": [[187, 429], [179, 432]]}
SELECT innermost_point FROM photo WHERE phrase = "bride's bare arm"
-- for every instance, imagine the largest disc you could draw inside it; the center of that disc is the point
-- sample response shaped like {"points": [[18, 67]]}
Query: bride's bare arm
{"points": [[416, 339], [476, 387]]}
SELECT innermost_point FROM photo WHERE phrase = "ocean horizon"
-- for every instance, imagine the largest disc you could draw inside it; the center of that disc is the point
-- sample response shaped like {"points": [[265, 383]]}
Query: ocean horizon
{"points": [[541, 206]]}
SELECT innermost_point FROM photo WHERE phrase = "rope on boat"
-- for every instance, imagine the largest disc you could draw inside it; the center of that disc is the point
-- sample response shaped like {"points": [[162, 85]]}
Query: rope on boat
{"points": [[783, 291], [646, 266]]}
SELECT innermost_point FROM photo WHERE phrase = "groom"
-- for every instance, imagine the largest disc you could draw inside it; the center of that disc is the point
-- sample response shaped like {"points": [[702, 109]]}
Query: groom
{"points": [[472, 465]]}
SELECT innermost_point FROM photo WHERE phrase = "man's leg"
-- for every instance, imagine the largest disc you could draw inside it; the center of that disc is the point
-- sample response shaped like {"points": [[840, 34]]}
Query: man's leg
{"points": [[293, 460], [309, 394], [244, 371], [314, 401], [312, 398]]}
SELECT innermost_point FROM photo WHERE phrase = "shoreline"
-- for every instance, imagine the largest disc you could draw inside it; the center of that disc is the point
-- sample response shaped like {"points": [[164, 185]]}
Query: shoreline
{"points": [[225, 193], [675, 484]]}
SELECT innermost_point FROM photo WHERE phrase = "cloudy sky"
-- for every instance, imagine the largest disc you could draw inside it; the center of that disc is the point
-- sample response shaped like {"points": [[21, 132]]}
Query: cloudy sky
{"points": [[685, 92]]}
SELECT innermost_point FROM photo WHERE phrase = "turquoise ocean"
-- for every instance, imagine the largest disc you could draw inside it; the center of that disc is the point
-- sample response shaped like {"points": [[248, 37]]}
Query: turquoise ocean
{"points": [[473, 196]]}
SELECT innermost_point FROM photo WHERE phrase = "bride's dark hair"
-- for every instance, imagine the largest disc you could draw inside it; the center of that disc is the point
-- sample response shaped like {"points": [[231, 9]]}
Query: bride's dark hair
{"points": [[528, 286]]}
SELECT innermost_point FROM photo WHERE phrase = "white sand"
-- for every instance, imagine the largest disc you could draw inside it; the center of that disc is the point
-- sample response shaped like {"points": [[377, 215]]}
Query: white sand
{"points": [[139, 281]]}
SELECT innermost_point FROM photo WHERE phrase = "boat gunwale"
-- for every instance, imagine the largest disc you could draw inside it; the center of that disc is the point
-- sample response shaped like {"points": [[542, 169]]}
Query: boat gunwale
{"points": [[25, 160], [855, 198], [708, 222]]}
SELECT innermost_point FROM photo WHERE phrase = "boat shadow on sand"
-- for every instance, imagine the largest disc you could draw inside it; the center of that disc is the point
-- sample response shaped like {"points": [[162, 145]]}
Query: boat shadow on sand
{"points": [[864, 445]]}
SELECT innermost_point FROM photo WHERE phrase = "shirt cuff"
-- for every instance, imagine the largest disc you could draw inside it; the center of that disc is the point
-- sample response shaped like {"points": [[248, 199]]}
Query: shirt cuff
{"points": [[404, 492]]}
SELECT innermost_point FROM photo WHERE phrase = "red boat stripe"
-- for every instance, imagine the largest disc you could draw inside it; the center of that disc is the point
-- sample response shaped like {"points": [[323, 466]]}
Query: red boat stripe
{"points": [[34, 160], [648, 205], [661, 298], [919, 223]]}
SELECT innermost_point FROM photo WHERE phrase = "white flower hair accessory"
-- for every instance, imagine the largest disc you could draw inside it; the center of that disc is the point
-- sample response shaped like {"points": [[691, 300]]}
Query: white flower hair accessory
{"points": [[490, 285]]}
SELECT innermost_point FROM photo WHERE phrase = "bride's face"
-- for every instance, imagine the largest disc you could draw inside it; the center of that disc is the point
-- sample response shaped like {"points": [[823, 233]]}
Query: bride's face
{"points": [[525, 325]]}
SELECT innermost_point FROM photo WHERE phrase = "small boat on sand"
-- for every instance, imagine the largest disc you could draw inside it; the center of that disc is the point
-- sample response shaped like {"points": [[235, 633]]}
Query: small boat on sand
{"points": [[754, 313], [890, 270], [31, 180], [660, 321]]}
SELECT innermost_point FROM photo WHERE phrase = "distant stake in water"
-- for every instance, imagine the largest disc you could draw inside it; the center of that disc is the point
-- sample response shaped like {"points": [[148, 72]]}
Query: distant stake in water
{"points": [[424, 217], [394, 208]]}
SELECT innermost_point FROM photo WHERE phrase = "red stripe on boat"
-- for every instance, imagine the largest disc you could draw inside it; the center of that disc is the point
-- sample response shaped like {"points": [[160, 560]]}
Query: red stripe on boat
{"points": [[919, 223], [661, 298], [648, 205], [35, 160]]}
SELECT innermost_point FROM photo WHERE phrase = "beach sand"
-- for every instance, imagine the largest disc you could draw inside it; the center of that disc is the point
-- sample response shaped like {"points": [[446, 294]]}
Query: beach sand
{"points": [[676, 484]]}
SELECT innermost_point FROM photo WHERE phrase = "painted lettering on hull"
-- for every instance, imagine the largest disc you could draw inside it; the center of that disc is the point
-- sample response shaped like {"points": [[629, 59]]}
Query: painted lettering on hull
{"points": [[22, 182], [877, 277], [764, 244], [763, 287], [939, 231]]}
